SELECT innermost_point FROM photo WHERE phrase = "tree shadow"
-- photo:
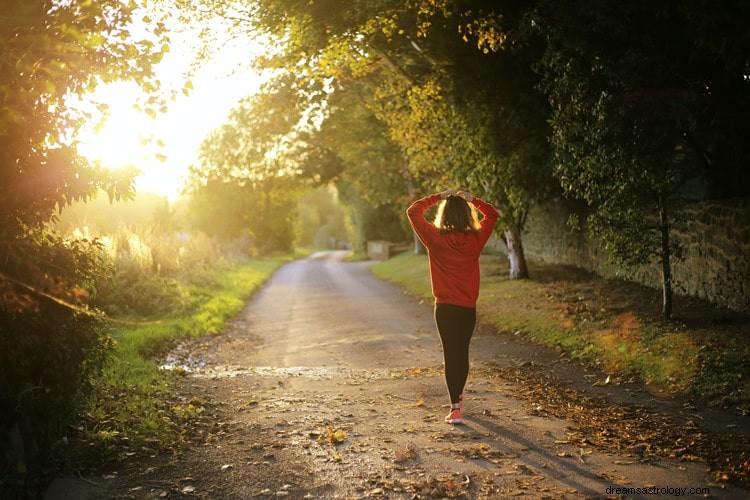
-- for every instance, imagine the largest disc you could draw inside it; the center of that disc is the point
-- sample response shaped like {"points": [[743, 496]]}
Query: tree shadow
{"points": [[562, 470]]}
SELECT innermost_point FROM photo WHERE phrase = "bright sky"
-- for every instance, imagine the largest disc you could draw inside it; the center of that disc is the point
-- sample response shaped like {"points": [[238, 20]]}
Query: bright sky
{"points": [[217, 87]]}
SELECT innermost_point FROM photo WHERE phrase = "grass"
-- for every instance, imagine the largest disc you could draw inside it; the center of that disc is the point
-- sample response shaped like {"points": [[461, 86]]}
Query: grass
{"points": [[129, 408], [612, 325]]}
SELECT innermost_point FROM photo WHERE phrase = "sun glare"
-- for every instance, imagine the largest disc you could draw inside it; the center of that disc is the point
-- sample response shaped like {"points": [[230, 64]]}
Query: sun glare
{"points": [[162, 148], [121, 139]]}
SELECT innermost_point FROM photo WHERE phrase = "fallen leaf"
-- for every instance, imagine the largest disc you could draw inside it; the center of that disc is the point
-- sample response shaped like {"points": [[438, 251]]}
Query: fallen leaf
{"points": [[601, 382]]}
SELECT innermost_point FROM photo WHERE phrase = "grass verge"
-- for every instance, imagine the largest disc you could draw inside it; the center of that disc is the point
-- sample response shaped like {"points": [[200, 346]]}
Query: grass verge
{"points": [[613, 325], [130, 408]]}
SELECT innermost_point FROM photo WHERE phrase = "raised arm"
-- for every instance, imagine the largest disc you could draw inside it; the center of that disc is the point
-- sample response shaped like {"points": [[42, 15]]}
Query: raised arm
{"points": [[489, 219], [415, 213]]}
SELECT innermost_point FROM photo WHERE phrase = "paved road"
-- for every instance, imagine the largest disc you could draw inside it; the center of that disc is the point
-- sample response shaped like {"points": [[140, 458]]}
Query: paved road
{"points": [[329, 385], [359, 355], [322, 312]]}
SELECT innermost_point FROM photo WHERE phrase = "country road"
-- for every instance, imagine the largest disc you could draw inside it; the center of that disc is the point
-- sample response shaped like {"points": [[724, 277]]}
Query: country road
{"points": [[329, 385]]}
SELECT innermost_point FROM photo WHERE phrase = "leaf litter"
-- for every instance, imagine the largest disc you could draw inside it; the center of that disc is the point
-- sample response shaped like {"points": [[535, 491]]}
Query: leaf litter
{"points": [[643, 434]]}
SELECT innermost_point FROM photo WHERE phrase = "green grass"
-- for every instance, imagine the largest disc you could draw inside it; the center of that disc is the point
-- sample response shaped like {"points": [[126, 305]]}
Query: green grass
{"points": [[408, 270], [593, 320], [356, 257], [130, 403], [513, 306]]}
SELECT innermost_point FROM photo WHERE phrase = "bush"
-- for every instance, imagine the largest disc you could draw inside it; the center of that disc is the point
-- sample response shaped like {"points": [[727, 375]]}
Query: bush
{"points": [[149, 267], [53, 348], [49, 352]]}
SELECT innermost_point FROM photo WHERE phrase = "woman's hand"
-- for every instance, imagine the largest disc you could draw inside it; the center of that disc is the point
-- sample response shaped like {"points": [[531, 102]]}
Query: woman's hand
{"points": [[447, 193], [466, 196]]}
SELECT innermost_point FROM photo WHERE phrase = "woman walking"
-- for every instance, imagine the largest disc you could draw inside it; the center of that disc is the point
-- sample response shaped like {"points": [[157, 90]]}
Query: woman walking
{"points": [[453, 244]]}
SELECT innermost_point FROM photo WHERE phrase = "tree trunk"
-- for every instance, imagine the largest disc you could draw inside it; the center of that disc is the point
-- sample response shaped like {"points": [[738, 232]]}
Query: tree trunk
{"points": [[516, 257], [666, 267], [419, 248]]}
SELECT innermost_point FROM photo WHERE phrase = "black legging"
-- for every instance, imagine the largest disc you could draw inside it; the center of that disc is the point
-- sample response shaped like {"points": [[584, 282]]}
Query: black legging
{"points": [[455, 325]]}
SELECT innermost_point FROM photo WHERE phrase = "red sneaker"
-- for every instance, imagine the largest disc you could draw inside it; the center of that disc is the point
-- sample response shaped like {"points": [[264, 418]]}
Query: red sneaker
{"points": [[455, 416]]}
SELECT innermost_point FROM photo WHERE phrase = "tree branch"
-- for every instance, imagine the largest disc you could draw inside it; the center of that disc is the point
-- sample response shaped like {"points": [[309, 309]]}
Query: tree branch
{"points": [[391, 64]]}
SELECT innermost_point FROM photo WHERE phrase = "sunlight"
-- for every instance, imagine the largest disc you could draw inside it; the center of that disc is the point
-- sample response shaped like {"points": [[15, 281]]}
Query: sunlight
{"points": [[163, 147], [122, 139]]}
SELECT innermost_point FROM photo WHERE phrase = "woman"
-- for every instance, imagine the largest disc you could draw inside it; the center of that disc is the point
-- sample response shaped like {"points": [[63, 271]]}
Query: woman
{"points": [[453, 244]]}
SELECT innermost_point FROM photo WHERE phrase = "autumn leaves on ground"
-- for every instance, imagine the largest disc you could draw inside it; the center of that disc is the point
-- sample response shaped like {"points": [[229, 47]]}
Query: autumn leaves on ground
{"points": [[613, 327], [330, 384]]}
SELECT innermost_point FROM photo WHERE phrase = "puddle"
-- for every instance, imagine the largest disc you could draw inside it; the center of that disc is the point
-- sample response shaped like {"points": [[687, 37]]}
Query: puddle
{"points": [[311, 372], [192, 360], [184, 359]]}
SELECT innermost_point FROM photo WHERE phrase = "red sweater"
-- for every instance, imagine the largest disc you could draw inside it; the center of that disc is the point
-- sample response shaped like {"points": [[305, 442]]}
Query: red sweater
{"points": [[454, 257]]}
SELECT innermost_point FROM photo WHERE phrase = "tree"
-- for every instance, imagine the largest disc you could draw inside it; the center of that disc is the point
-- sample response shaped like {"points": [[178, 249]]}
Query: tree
{"points": [[246, 182], [478, 116], [441, 98], [50, 52], [634, 88], [321, 219], [372, 179]]}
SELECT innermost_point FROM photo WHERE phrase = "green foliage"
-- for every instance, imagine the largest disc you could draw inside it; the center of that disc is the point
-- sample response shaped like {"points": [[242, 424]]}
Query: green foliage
{"points": [[321, 219], [48, 352], [128, 409], [359, 140], [407, 73], [149, 267], [367, 222], [151, 256], [38, 262], [43, 389], [637, 99], [373, 169], [48, 52], [259, 214], [247, 183], [459, 123], [638, 102], [632, 98]]}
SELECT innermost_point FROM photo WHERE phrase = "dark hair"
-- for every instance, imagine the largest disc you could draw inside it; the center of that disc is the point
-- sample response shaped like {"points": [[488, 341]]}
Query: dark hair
{"points": [[455, 215]]}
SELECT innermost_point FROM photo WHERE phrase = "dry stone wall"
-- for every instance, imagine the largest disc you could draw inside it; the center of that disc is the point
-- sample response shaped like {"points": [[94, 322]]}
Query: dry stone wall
{"points": [[715, 237]]}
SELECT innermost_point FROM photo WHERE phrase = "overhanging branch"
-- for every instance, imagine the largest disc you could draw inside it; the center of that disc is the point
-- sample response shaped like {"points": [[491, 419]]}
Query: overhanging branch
{"points": [[391, 64]]}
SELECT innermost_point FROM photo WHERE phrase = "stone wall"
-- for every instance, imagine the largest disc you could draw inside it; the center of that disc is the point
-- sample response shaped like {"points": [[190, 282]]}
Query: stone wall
{"points": [[715, 237]]}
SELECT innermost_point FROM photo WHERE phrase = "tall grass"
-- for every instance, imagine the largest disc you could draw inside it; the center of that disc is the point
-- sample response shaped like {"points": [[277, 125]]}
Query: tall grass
{"points": [[153, 268]]}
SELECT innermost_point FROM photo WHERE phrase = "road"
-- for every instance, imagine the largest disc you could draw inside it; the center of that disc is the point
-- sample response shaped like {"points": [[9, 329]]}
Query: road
{"points": [[329, 385]]}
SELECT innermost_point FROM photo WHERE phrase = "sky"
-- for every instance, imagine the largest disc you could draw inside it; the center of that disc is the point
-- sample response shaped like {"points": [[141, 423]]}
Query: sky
{"points": [[217, 86]]}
